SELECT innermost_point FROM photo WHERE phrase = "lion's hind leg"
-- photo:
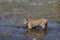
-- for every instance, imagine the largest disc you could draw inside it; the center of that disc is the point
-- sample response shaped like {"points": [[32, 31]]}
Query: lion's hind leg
{"points": [[44, 25]]}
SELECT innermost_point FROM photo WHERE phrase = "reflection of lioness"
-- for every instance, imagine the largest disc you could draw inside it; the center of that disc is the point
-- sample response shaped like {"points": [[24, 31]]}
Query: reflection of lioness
{"points": [[33, 23]]}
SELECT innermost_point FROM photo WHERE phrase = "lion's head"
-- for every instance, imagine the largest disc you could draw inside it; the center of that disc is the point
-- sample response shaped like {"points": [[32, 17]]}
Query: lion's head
{"points": [[25, 21]]}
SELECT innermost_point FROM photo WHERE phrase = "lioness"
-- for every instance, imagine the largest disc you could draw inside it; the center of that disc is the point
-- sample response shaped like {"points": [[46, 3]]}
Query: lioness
{"points": [[32, 23]]}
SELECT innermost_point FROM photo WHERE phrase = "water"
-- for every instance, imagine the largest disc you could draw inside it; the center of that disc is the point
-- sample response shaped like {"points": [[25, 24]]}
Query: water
{"points": [[10, 33], [23, 33]]}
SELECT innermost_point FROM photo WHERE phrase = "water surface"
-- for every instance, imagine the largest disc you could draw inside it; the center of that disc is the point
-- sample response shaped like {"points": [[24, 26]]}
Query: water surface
{"points": [[11, 33]]}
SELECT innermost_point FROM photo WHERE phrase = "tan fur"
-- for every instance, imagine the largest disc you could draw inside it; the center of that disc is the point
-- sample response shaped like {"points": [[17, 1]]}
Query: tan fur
{"points": [[33, 23]]}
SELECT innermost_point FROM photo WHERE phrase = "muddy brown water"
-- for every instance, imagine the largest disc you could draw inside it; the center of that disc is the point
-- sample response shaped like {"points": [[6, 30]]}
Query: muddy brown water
{"points": [[11, 33]]}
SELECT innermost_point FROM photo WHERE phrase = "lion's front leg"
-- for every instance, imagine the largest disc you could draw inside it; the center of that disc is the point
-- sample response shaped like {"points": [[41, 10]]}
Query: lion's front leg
{"points": [[29, 25]]}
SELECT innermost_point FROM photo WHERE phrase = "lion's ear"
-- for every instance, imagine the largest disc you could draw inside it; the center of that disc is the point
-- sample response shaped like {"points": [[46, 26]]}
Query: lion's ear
{"points": [[26, 19]]}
